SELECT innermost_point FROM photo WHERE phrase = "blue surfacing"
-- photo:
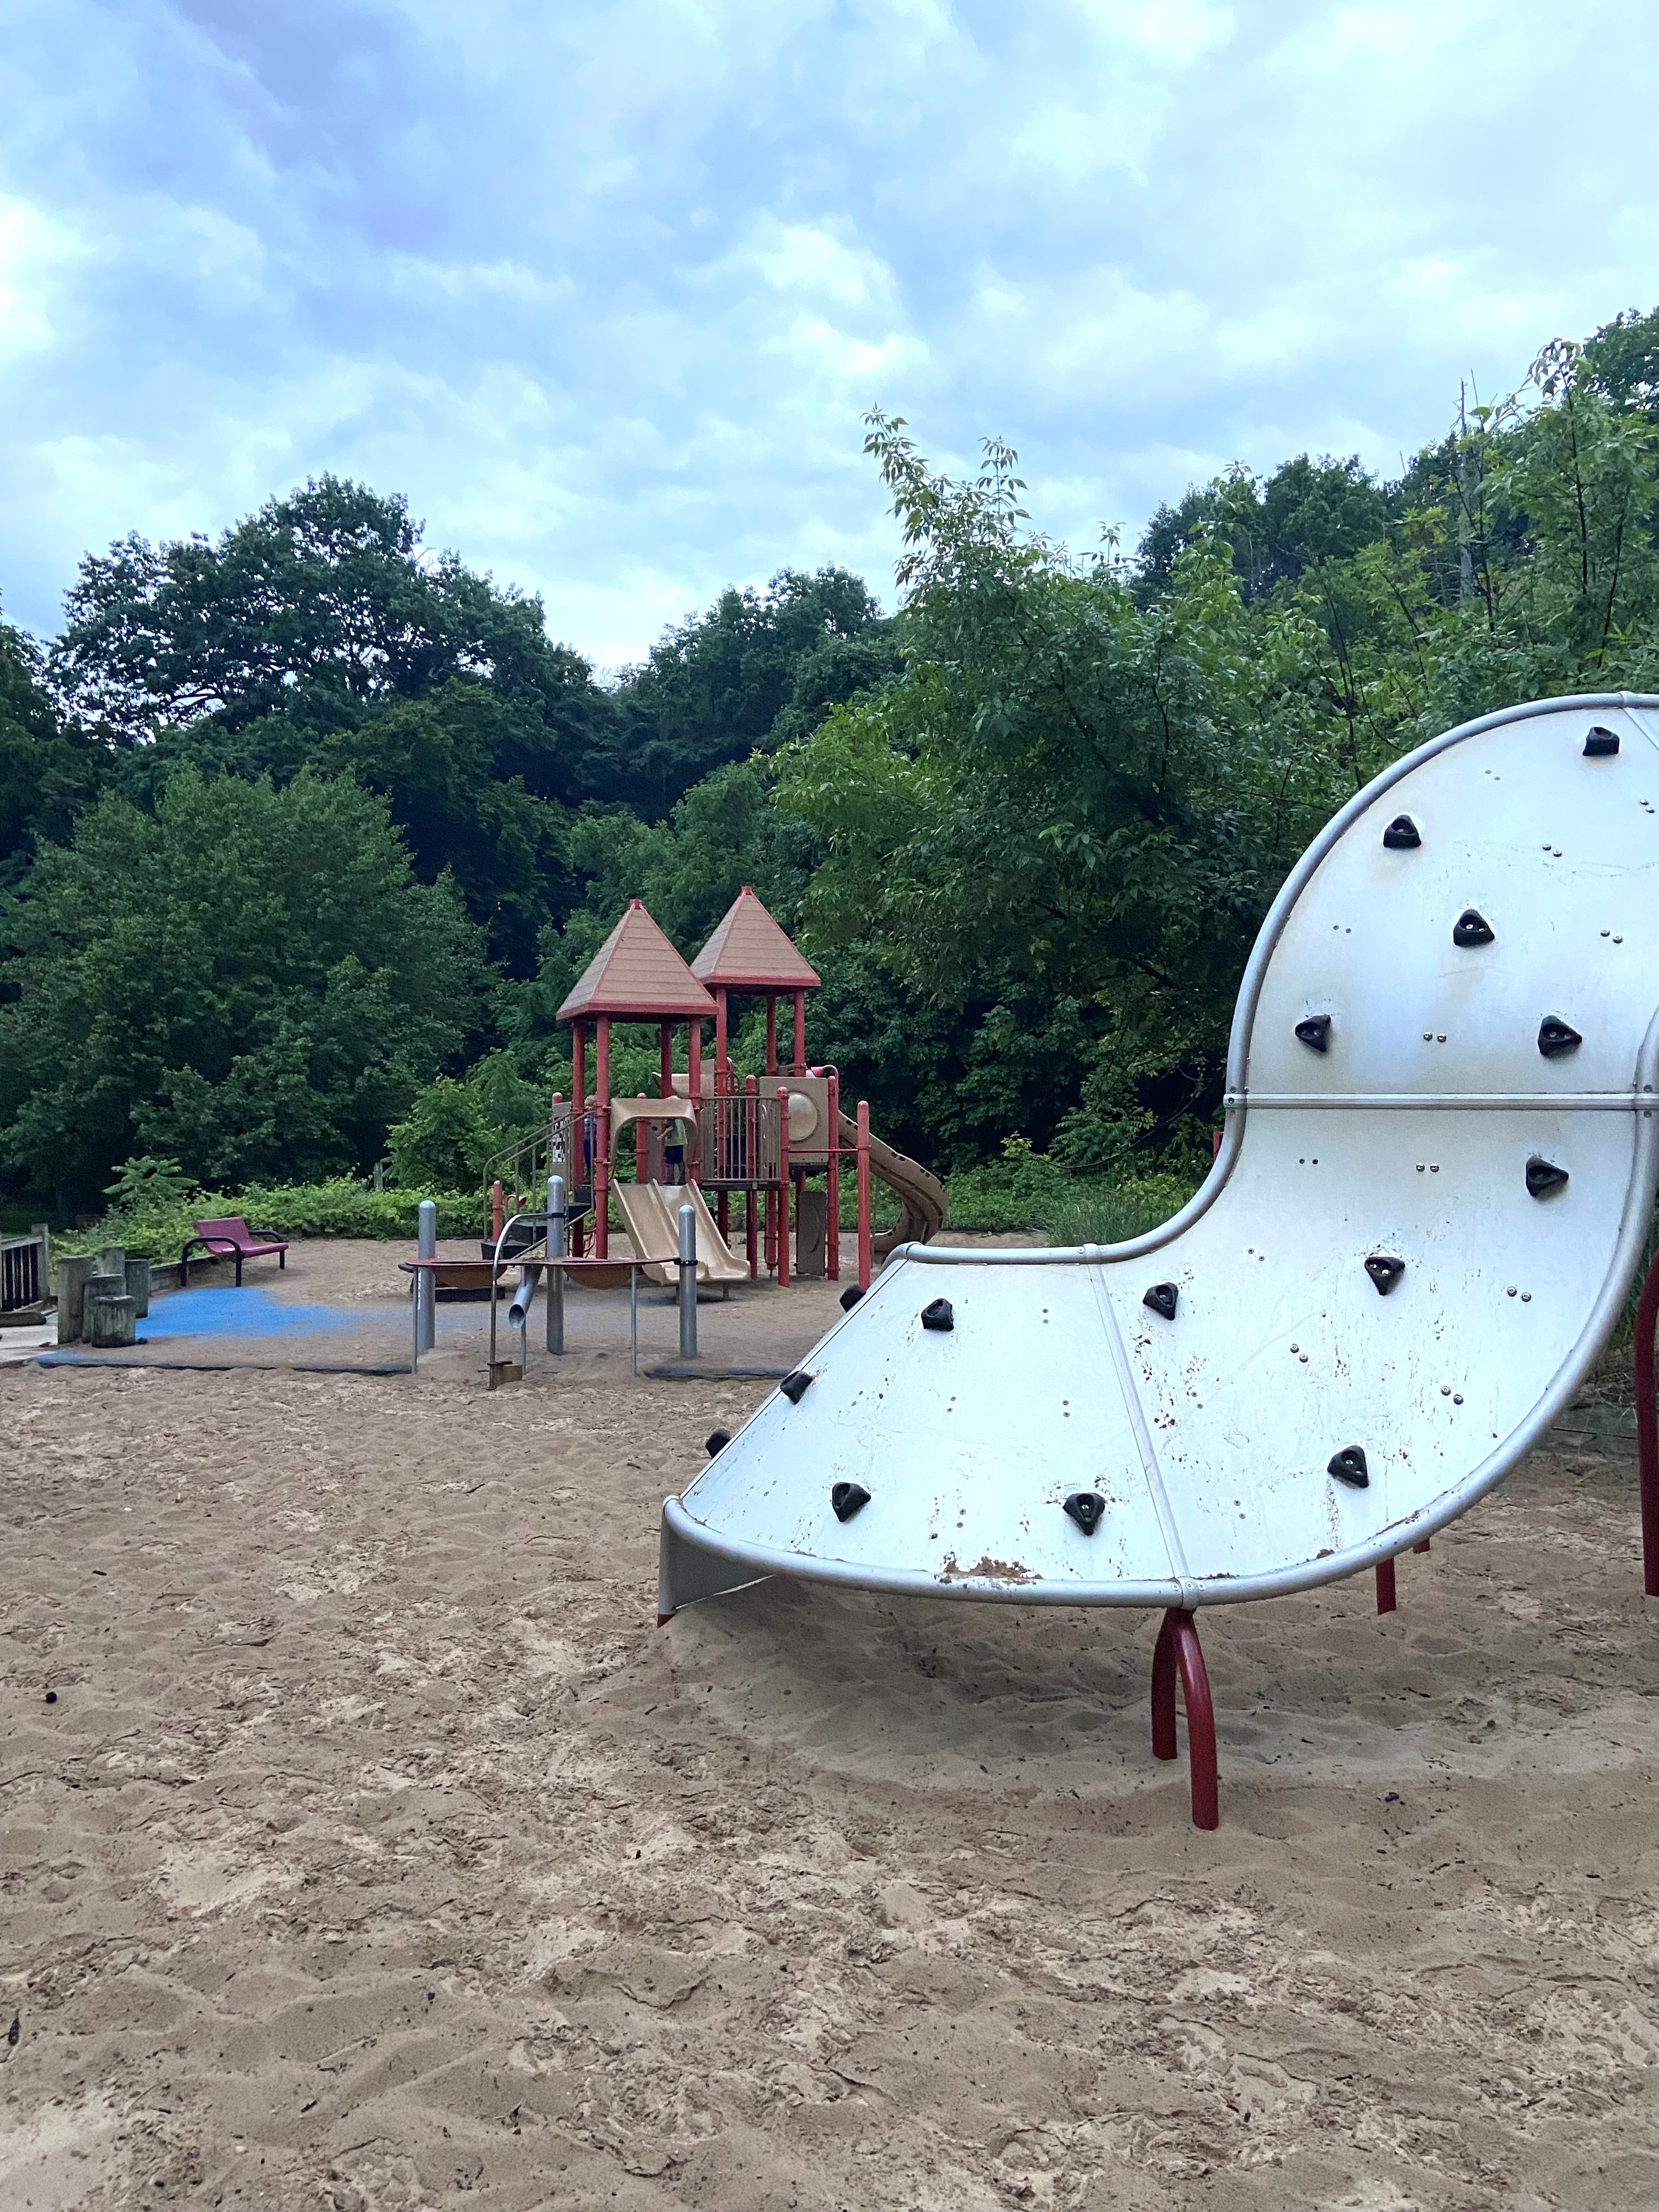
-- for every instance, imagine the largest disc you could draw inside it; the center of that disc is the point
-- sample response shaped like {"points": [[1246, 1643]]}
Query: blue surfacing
{"points": [[221, 1311]]}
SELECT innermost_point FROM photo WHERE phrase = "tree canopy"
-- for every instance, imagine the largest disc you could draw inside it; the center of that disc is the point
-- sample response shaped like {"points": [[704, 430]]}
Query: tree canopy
{"points": [[1025, 827]]}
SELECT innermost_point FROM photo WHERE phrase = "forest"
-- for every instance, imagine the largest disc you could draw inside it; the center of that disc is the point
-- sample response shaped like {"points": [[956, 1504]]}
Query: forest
{"points": [[305, 831]]}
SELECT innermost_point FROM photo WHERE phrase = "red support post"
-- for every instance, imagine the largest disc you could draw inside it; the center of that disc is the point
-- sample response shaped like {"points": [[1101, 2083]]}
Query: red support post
{"points": [[497, 1210], [1385, 1589], [783, 1184], [1423, 1546], [1647, 1426], [694, 1087], [722, 1055], [800, 1033], [602, 1138], [832, 1178], [1178, 1650], [752, 1132], [862, 1161]]}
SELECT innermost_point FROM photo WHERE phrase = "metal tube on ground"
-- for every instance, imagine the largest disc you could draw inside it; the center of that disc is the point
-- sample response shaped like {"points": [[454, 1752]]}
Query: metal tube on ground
{"points": [[784, 1184], [426, 1282], [555, 1246], [688, 1282]]}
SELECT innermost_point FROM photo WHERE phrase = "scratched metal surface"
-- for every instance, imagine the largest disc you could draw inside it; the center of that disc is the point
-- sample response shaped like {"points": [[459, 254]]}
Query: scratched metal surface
{"points": [[1208, 1436]]}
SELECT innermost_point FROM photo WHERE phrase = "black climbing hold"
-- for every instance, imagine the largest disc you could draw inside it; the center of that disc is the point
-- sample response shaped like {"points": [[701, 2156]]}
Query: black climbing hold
{"points": [[1472, 928], [850, 1297], [1543, 1176], [716, 1441], [1349, 1466], [795, 1387], [1601, 744], [846, 1498], [1556, 1037], [1163, 1298], [939, 1315], [1402, 835], [1385, 1271], [1316, 1032], [1087, 1507]]}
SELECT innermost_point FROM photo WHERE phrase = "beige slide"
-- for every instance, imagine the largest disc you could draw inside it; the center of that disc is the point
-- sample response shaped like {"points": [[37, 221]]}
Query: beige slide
{"points": [[652, 1210], [921, 1195]]}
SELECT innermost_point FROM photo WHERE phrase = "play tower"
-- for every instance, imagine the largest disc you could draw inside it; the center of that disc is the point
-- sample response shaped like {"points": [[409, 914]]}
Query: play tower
{"points": [[636, 975]]}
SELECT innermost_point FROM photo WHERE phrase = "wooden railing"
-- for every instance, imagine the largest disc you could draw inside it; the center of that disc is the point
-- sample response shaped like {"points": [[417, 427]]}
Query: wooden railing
{"points": [[24, 1272]]}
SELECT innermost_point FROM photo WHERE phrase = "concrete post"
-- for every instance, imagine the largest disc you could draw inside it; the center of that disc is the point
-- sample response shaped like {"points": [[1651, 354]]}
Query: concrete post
{"points": [[426, 1288], [688, 1282], [555, 1250]]}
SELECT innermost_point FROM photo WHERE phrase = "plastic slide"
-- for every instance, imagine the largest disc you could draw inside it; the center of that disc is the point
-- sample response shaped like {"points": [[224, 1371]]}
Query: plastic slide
{"points": [[921, 1195], [652, 1210]]}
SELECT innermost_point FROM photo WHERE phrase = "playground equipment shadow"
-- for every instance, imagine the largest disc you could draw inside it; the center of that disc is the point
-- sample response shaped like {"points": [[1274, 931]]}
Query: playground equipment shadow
{"points": [[376, 1848]]}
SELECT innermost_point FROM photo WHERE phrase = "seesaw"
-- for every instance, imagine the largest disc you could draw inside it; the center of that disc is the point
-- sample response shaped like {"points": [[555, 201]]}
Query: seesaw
{"points": [[1432, 1193]]}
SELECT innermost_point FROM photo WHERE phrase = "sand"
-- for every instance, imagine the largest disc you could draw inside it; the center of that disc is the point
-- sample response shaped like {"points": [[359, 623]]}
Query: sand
{"points": [[380, 1851]]}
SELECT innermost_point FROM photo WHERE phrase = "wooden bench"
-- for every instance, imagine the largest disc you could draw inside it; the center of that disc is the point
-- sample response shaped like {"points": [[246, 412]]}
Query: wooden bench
{"points": [[230, 1239]]}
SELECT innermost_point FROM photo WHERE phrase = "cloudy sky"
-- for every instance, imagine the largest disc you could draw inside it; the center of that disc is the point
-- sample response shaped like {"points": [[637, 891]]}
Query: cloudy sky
{"points": [[605, 286]]}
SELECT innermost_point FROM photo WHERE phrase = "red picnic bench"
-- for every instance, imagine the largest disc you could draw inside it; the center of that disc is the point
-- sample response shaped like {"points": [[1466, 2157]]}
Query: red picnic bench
{"points": [[230, 1239]]}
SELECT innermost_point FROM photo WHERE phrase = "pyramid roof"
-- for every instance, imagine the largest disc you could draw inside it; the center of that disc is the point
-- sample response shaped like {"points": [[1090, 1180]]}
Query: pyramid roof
{"points": [[751, 952], [637, 974]]}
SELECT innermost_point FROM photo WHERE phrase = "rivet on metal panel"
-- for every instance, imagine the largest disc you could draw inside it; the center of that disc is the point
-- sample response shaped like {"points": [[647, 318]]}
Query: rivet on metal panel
{"points": [[940, 1315], [795, 1387], [1402, 835], [716, 1441], [1556, 1037], [1163, 1298], [1385, 1269], [850, 1297], [1316, 1032], [1544, 1178], [1349, 1466], [1472, 928], [1087, 1507], [1600, 743], [846, 1498]]}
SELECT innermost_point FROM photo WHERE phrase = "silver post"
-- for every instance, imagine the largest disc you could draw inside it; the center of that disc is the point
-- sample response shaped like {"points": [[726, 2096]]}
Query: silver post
{"points": [[555, 1250], [426, 1287], [688, 1282]]}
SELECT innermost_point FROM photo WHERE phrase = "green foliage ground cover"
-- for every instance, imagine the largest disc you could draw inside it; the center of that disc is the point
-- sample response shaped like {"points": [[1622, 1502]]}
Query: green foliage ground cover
{"points": [[304, 833]]}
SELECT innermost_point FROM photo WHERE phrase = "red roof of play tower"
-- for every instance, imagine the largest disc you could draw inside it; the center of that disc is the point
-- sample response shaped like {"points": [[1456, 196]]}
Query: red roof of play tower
{"points": [[749, 952], [636, 974]]}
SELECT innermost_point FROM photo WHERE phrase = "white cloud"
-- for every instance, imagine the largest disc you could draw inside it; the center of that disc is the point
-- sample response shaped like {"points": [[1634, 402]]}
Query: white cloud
{"points": [[606, 291]]}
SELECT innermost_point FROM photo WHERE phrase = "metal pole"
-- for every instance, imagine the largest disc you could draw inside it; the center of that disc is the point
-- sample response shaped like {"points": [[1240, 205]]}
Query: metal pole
{"points": [[688, 1282], [426, 1286], [556, 1251]]}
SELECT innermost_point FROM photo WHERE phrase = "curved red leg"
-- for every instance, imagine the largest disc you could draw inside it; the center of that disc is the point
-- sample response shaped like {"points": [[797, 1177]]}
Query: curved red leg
{"points": [[1163, 1689], [1647, 1426], [1385, 1590], [1201, 1723]]}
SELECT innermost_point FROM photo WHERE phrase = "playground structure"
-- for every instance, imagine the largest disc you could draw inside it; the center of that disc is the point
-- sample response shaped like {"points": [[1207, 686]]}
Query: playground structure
{"points": [[1436, 1180], [772, 1144]]}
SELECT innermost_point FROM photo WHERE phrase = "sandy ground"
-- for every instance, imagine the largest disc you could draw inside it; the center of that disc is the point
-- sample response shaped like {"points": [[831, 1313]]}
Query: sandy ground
{"points": [[378, 1851]]}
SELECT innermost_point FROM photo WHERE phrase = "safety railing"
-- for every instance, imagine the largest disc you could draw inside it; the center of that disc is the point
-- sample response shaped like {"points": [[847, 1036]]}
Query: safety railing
{"points": [[25, 1271], [739, 1138]]}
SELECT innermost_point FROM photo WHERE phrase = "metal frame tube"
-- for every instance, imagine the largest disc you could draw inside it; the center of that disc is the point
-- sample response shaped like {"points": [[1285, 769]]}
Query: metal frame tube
{"points": [[426, 1288], [688, 1265], [555, 1250]]}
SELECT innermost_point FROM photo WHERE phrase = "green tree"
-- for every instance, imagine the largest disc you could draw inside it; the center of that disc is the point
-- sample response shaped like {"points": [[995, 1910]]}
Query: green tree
{"points": [[250, 982], [48, 773]]}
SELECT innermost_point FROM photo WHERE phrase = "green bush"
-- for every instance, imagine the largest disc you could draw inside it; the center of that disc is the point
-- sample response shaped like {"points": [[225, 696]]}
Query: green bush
{"points": [[340, 1208], [446, 1143]]}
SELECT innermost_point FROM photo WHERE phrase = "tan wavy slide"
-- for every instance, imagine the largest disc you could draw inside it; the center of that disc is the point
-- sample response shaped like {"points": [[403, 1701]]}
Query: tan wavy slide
{"points": [[652, 1210], [921, 1195]]}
